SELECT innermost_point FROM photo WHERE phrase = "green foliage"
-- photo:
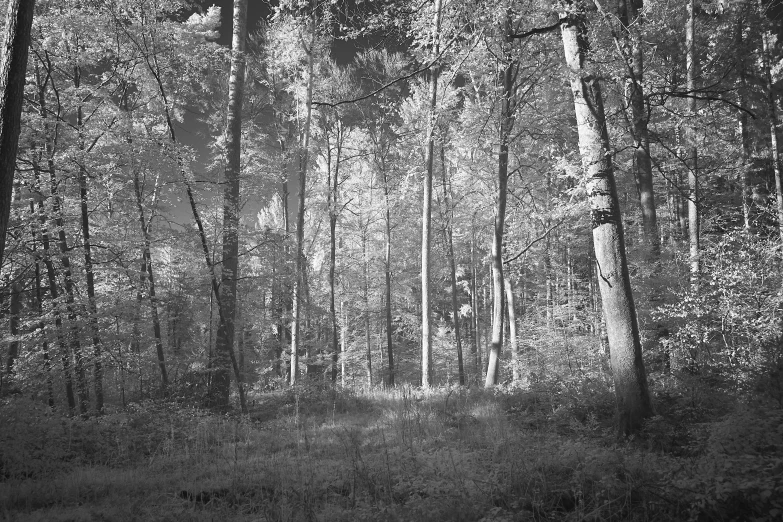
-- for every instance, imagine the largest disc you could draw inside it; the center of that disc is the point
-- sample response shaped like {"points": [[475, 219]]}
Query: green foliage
{"points": [[728, 334]]}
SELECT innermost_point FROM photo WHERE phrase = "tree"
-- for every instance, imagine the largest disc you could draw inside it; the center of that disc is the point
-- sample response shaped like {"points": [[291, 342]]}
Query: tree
{"points": [[13, 68], [225, 357], [633, 400], [426, 216]]}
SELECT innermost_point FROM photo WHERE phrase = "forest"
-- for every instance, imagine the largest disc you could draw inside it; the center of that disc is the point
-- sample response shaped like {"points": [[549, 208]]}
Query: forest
{"points": [[475, 260]]}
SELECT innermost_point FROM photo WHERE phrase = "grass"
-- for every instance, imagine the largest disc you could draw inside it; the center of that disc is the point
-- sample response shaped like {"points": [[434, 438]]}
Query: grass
{"points": [[389, 455]]}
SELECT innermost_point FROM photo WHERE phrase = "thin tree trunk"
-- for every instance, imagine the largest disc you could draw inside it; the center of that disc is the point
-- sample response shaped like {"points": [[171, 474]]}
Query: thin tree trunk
{"points": [[742, 117], [387, 266], [147, 270], [774, 124], [45, 242], [693, 158], [449, 233], [426, 217], [303, 158], [498, 292], [224, 345], [39, 309], [643, 165], [344, 344], [633, 398], [13, 69], [14, 307], [75, 346], [88, 266], [153, 67], [366, 291], [333, 187], [512, 330]]}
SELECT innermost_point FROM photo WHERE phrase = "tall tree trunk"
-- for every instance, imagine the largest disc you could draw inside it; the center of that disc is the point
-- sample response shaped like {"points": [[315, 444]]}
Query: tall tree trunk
{"points": [[774, 124], [426, 215], [303, 158], [475, 301], [154, 69], [366, 291], [449, 233], [150, 281], [692, 155], [88, 265], [333, 187], [742, 116], [643, 165], [224, 345], [498, 292], [75, 343], [39, 307], [13, 69], [62, 242], [45, 242], [633, 398], [387, 267], [344, 344]]}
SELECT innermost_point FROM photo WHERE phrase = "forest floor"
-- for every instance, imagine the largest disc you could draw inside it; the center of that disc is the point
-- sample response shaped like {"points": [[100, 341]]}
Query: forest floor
{"points": [[448, 454]]}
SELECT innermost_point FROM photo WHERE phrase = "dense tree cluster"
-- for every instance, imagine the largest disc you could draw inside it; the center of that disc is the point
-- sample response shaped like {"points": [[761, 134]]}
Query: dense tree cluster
{"points": [[501, 193]]}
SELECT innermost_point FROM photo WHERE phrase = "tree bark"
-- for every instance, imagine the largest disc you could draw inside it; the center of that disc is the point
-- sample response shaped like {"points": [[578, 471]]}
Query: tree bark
{"points": [[13, 69], [512, 331], [475, 301], [224, 345], [88, 265], [387, 266], [152, 65], [14, 307], [426, 215], [299, 262], [150, 281], [45, 242], [449, 233], [333, 187], [366, 291], [692, 154], [774, 122], [643, 165], [742, 116], [633, 399], [498, 292]]}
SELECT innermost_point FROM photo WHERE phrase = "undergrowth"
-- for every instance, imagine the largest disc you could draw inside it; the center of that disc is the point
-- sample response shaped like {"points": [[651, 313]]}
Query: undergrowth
{"points": [[316, 453]]}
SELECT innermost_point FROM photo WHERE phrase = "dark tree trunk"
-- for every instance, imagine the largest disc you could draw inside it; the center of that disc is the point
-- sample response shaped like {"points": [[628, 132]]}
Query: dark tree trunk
{"points": [[45, 242], [449, 233], [299, 264], [427, 371], [14, 307], [88, 265], [13, 69], [643, 165], [224, 346]]}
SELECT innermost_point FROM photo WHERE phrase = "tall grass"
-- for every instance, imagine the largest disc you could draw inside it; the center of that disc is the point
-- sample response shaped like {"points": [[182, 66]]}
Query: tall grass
{"points": [[317, 453]]}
